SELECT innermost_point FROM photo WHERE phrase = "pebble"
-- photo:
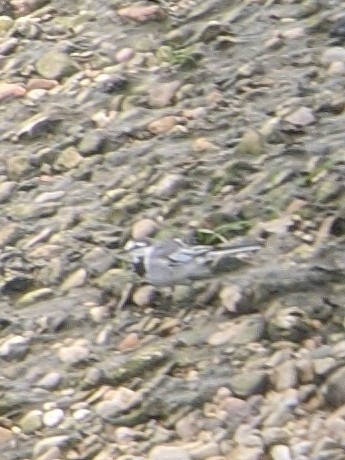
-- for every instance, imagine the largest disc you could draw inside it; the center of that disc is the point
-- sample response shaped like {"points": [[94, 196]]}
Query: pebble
{"points": [[285, 376], [144, 295], [10, 90], [14, 347], [205, 451], [124, 54], [303, 116], [32, 421], [50, 381], [133, 120], [247, 384], [48, 443], [130, 341], [162, 125], [187, 427], [280, 452], [6, 190], [168, 453], [55, 65], [335, 388], [144, 228], [163, 94], [141, 13], [53, 417], [75, 279], [74, 354]]}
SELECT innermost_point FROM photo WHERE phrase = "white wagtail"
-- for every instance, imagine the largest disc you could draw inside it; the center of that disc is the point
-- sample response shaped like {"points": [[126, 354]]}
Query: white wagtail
{"points": [[168, 263]]}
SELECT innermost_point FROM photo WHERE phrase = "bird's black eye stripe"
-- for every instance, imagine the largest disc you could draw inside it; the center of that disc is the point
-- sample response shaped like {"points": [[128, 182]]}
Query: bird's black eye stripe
{"points": [[138, 266]]}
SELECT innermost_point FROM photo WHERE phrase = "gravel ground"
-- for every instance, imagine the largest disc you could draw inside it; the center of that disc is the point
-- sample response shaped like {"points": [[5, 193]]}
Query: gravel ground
{"points": [[212, 121]]}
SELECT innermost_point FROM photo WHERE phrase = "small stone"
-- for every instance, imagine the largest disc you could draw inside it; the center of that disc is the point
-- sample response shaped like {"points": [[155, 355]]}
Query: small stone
{"points": [[252, 143], [53, 417], [34, 296], [144, 228], [124, 434], [53, 453], [247, 453], [187, 427], [75, 279], [303, 116], [9, 234], [14, 347], [202, 144], [49, 196], [324, 366], [6, 190], [74, 354], [305, 369], [18, 166], [68, 159], [280, 452], [91, 144], [230, 296], [31, 422], [274, 435], [5, 24], [98, 261], [41, 83], [81, 414], [336, 68], [117, 401], [50, 381], [168, 453], [162, 125], [130, 341], [338, 28], [144, 296], [46, 444], [335, 388], [163, 94], [244, 331], [141, 13], [204, 451], [10, 90], [99, 314], [249, 383], [125, 54], [335, 53], [6, 436], [55, 65], [285, 376], [168, 186]]}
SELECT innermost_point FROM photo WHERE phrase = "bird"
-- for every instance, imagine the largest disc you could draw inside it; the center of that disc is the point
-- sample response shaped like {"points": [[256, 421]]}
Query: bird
{"points": [[171, 262]]}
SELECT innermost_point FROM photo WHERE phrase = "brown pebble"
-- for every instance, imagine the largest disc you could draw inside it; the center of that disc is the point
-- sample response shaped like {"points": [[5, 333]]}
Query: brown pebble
{"points": [[162, 125], [125, 54], [144, 295], [144, 228], [41, 83], [8, 90], [130, 341], [141, 13]]}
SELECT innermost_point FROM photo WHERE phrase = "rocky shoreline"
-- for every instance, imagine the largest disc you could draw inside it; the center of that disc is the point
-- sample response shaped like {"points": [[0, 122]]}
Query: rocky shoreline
{"points": [[208, 120]]}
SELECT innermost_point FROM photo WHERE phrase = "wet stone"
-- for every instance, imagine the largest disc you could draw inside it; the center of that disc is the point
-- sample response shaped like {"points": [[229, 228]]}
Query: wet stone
{"points": [[335, 388], [91, 144], [168, 453], [55, 65], [247, 384], [31, 422]]}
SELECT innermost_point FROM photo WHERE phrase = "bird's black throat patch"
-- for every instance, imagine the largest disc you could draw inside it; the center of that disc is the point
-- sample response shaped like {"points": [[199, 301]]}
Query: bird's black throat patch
{"points": [[139, 266]]}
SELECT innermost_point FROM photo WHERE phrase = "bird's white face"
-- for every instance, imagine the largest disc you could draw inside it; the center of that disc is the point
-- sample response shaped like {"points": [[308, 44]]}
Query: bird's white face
{"points": [[139, 251]]}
